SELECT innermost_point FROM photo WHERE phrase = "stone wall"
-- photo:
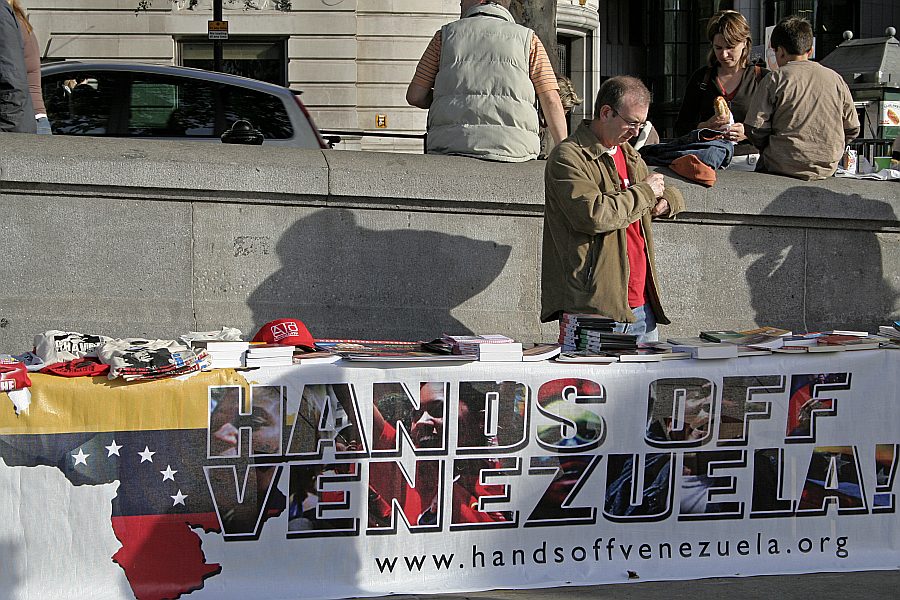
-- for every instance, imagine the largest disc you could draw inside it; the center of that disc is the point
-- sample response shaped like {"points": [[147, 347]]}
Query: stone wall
{"points": [[144, 238]]}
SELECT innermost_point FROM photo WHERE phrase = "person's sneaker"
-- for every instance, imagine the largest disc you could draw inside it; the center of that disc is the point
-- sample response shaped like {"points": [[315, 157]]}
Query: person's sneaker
{"points": [[691, 167]]}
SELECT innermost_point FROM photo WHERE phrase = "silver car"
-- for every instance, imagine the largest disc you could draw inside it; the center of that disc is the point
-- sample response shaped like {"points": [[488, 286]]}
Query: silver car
{"points": [[167, 102]]}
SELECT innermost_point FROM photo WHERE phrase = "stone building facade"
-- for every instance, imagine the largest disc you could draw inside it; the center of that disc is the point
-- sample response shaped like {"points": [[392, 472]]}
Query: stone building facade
{"points": [[351, 58]]}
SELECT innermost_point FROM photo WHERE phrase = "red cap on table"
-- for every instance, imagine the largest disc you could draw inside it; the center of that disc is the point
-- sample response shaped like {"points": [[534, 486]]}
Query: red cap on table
{"points": [[287, 332]]}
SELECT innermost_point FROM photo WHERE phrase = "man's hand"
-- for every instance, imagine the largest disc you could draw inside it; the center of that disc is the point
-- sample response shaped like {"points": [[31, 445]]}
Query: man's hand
{"points": [[656, 183], [661, 208]]}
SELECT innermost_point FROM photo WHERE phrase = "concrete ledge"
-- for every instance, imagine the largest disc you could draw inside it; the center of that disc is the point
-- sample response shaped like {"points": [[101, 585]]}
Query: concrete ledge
{"points": [[164, 165], [151, 238]]}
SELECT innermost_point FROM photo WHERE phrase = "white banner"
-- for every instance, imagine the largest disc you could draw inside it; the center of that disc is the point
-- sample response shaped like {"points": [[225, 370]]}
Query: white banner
{"points": [[330, 481]]}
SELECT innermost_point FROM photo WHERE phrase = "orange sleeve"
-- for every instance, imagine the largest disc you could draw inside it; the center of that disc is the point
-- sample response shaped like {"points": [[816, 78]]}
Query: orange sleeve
{"points": [[542, 76], [428, 66]]}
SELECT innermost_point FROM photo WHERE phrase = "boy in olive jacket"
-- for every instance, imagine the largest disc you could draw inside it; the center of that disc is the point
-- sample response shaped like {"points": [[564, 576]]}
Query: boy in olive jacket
{"points": [[599, 202]]}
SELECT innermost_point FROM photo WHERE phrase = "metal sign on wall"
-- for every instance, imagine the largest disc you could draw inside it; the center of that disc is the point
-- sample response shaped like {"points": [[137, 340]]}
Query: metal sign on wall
{"points": [[217, 30]]}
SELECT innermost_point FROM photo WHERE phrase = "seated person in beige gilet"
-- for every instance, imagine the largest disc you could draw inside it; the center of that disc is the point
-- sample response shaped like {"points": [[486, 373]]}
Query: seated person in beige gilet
{"points": [[802, 115]]}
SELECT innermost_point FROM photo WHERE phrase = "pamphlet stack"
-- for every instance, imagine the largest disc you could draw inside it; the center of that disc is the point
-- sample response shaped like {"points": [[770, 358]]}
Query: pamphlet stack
{"points": [[573, 328], [269, 355], [223, 354]]}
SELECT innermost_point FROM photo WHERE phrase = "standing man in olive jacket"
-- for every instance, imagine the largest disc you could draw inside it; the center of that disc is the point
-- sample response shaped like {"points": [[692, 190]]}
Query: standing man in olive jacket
{"points": [[479, 78], [599, 202]]}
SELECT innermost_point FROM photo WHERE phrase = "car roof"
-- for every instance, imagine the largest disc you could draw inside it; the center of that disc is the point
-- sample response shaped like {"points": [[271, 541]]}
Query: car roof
{"points": [[69, 66]]}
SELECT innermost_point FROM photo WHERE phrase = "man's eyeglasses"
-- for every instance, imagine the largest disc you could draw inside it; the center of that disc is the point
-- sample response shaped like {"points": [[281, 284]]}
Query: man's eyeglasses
{"points": [[637, 125]]}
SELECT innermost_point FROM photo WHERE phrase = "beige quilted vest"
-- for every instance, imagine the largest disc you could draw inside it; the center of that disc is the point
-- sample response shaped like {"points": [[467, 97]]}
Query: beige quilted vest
{"points": [[484, 101]]}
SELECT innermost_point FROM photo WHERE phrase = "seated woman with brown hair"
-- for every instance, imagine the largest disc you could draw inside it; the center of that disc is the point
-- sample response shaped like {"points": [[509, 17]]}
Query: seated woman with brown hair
{"points": [[728, 74]]}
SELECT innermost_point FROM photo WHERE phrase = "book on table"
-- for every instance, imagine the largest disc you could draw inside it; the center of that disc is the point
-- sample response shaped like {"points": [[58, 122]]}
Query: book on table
{"points": [[757, 340], [312, 358], [573, 326], [889, 331], [227, 362], [366, 346], [258, 350], [505, 352], [224, 346], [540, 352], [268, 361], [752, 351], [223, 354], [790, 349], [703, 349], [470, 344], [648, 354], [721, 335], [826, 342], [404, 356], [388, 351], [852, 342], [766, 330], [583, 356]]}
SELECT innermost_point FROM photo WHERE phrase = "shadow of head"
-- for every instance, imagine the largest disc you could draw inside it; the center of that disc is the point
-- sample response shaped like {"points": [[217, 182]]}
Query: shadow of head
{"points": [[813, 267], [347, 273]]}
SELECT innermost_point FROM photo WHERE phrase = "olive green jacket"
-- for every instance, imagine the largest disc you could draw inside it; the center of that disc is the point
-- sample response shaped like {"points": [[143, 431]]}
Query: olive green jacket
{"points": [[586, 212]]}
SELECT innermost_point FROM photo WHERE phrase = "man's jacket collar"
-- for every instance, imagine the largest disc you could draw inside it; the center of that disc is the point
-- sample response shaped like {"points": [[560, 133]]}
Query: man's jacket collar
{"points": [[589, 143], [490, 10]]}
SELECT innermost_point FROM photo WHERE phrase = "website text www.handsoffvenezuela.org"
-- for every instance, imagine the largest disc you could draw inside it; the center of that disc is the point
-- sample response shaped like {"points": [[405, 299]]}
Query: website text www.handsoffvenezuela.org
{"points": [[614, 550]]}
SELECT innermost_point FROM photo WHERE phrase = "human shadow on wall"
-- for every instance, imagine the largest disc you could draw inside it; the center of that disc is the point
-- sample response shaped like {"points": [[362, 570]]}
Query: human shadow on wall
{"points": [[817, 279], [345, 280]]}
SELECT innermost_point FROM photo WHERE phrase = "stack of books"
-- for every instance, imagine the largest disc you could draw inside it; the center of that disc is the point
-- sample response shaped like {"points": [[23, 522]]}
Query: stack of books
{"points": [[469, 344], [500, 352], [890, 331], [223, 354], [606, 341], [269, 355], [573, 328], [487, 347]]}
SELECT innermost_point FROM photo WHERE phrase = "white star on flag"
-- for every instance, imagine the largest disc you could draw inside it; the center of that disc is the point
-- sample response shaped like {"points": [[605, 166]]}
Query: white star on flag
{"points": [[146, 455], [113, 448], [169, 473], [80, 458], [178, 498]]}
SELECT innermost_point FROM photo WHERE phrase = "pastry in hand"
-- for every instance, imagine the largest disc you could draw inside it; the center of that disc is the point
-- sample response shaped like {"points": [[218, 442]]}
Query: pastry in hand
{"points": [[721, 107]]}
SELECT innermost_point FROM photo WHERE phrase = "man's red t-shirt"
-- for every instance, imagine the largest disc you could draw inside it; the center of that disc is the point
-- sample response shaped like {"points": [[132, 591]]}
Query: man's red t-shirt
{"points": [[635, 245]]}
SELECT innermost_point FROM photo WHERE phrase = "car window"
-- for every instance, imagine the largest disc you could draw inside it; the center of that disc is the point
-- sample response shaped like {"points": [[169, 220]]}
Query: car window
{"points": [[81, 103], [171, 107], [264, 111]]}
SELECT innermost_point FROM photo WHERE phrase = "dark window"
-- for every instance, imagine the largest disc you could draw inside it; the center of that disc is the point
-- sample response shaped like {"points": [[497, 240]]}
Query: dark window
{"points": [[171, 107], [81, 103], [264, 111], [263, 59]]}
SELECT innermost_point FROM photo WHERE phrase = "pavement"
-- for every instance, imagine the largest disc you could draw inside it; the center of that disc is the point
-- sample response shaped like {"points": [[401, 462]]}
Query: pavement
{"points": [[883, 585]]}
